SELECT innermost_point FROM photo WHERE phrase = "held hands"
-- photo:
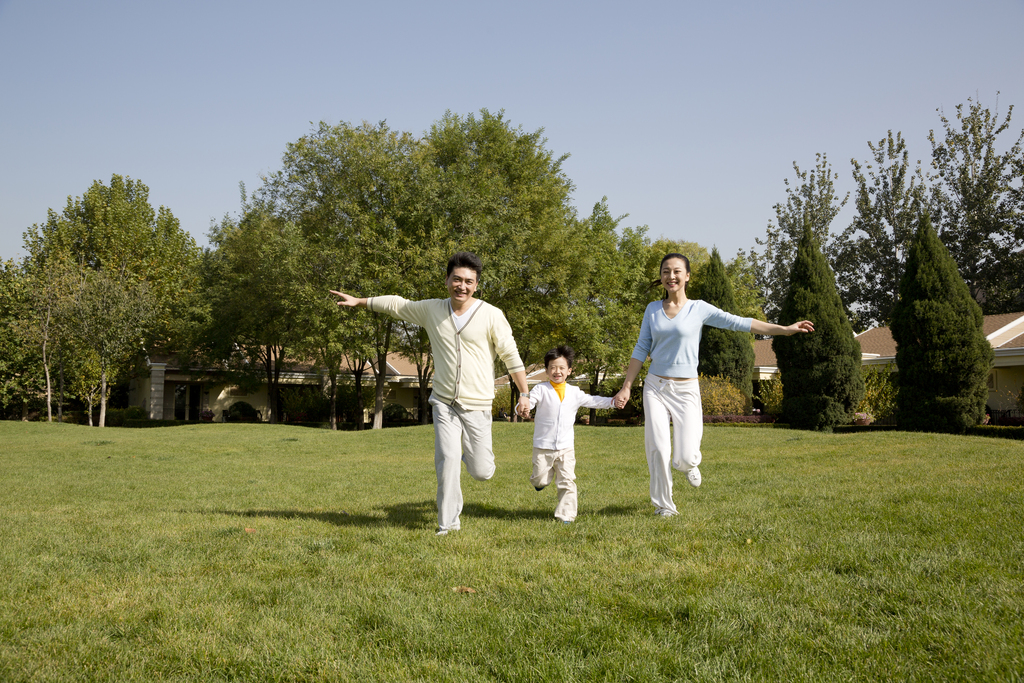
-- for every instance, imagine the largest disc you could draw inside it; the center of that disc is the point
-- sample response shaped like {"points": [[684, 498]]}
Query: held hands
{"points": [[523, 408], [621, 398]]}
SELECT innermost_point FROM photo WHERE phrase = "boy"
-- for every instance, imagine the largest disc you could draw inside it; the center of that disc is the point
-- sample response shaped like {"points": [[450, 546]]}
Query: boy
{"points": [[466, 334], [553, 451]]}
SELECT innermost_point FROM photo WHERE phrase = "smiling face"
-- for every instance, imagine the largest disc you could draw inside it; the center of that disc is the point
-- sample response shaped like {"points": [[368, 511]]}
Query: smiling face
{"points": [[558, 370], [461, 285], [674, 275]]}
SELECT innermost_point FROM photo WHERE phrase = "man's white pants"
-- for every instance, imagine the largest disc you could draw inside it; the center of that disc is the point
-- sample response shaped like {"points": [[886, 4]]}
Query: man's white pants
{"points": [[561, 466], [460, 435], [668, 400]]}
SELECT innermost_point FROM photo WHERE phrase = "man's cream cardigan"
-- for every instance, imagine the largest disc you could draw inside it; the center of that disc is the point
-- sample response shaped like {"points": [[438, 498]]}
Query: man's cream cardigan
{"points": [[463, 361]]}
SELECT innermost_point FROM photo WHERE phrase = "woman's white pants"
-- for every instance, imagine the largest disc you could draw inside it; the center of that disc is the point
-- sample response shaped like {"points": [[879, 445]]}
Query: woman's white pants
{"points": [[677, 445]]}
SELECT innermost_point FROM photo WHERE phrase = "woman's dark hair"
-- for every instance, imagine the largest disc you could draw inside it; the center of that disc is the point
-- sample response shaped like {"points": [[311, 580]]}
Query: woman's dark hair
{"points": [[682, 258], [465, 259], [565, 352]]}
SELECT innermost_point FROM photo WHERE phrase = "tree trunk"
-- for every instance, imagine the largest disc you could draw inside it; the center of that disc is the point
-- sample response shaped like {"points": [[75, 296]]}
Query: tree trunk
{"points": [[46, 369], [60, 389], [594, 384], [513, 399], [90, 409], [334, 400], [360, 408], [378, 393], [103, 397], [423, 398]]}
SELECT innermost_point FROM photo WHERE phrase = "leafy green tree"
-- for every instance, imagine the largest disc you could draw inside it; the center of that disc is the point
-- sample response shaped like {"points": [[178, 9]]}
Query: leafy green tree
{"points": [[497, 191], [606, 292], [356, 193], [108, 316], [941, 351], [253, 291], [977, 205], [21, 376], [821, 380], [115, 229], [813, 203], [414, 344], [724, 352], [872, 251]]}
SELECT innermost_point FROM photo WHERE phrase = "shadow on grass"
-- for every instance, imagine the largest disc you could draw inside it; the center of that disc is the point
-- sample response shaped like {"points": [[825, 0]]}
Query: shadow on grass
{"points": [[415, 516]]}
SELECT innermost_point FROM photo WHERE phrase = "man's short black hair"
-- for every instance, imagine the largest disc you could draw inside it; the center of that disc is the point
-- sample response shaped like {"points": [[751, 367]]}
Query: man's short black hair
{"points": [[465, 259], [565, 352]]}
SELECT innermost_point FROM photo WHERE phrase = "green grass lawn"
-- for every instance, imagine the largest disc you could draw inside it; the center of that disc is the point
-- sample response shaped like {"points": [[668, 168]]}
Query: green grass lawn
{"points": [[265, 553]]}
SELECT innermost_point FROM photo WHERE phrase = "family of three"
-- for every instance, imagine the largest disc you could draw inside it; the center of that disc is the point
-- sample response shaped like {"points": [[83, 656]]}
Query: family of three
{"points": [[467, 335]]}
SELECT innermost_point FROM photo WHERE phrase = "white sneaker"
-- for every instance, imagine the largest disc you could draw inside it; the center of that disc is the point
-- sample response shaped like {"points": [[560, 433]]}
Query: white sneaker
{"points": [[693, 476], [441, 532], [666, 513]]}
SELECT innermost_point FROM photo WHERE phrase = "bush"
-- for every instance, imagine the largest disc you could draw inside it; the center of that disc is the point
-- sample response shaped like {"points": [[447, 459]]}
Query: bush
{"points": [[719, 396], [394, 412], [820, 372], [879, 392], [306, 404], [941, 349], [771, 396], [241, 411]]}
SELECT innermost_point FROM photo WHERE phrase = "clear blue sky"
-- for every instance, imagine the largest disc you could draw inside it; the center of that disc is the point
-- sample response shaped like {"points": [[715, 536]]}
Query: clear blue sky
{"points": [[687, 115]]}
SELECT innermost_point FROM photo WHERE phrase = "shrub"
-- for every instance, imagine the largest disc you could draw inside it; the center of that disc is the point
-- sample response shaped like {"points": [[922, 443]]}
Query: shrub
{"points": [[879, 392], [502, 400], [941, 350], [719, 396], [306, 404], [394, 412], [724, 352], [820, 371], [771, 396], [241, 411]]}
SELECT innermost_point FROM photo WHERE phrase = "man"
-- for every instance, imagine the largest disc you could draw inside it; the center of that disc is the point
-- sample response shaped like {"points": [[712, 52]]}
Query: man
{"points": [[466, 335]]}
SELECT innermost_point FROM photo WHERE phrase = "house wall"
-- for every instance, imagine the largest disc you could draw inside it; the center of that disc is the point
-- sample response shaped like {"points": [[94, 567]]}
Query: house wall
{"points": [[1004, 385]]}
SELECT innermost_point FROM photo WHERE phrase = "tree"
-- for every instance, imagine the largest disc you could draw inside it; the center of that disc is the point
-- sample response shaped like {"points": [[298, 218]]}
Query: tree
{"points": [[253, 291], [942, 356], [21, 377], [872, 251], [355, 193], [820, 372], [115, 229], [977, 205], [813, 203], [413, 343], [497, 191], [606, 291], [108, 317], [724, 352]]}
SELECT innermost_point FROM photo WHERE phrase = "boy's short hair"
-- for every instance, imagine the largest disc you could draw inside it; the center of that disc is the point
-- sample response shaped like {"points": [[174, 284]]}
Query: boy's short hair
{"points": [[465, 259], [565, 352]]}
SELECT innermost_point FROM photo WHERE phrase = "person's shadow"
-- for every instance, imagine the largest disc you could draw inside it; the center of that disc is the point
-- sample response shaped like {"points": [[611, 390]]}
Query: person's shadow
{"points": [[413, 515]]}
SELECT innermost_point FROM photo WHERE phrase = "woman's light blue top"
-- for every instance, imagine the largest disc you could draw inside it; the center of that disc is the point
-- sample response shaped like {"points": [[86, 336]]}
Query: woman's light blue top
{"points": [[673, 343]]}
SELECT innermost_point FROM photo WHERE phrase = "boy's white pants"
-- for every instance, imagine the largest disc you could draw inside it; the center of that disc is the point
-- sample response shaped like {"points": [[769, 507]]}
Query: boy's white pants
{"points": [[668, 400], [460, 436], [560, 465]]}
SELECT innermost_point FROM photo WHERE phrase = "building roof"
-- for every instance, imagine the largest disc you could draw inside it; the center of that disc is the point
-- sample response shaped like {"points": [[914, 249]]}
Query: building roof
{"points": [[877, 341]]}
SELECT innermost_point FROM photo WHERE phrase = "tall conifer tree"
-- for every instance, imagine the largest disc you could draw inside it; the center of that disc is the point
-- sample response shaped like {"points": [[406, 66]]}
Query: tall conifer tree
{"points": [[724, 352], [941, 351], [821, 380]]}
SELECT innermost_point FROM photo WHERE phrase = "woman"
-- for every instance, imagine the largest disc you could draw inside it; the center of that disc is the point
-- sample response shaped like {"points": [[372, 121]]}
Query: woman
{"points": [[670, 335]]}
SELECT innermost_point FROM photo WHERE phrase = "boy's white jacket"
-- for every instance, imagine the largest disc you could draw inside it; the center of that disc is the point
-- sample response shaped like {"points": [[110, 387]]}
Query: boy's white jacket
{"points": [[552, 427]]}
